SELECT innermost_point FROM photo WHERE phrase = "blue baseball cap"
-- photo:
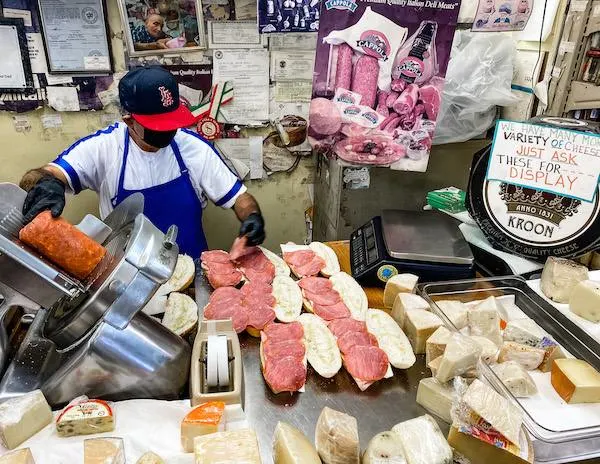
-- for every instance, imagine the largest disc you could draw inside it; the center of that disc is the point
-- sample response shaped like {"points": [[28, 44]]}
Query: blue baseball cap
{"points": [[150, 94]]}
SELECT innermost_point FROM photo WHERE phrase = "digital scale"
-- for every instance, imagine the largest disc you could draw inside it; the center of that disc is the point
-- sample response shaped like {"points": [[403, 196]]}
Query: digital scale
{"points": [[425, 243]]}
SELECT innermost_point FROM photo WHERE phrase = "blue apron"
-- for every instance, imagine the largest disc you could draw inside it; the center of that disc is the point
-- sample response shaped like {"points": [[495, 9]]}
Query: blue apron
{"points": [[174, 202]]}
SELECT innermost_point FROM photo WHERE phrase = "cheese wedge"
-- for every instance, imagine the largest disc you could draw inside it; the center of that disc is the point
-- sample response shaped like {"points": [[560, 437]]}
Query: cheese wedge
{"points": [[553, 351], [405, 302], [489, 351], [527, 356], [352, 294], [332, 265], [585, 300], [524, 331], [423, 441], [322, 351], [20, 456], [150, 458], [419, 326], [575, 381], [484, 321], [559, 278], [436, 397], [516, 379], [288, 298], [281, 267], [477, 450], [22, 417], [391, 338], [436, 343], [461, 355], [497, 411], [234, 447], [384, 448], [456, 311], [85, 418], [434, 365], [400, 283], [181, 314], [290, 446], [202, 420], [103, 451], [336, 437]]}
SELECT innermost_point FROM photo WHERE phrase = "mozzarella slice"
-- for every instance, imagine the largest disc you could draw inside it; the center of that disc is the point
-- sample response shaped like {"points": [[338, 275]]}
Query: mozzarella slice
{"points": [[288, 298], [322, 351], [390, 338]]}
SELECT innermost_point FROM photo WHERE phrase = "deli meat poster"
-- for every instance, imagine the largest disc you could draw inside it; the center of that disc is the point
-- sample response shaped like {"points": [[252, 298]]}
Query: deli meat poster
{"points": [[378, 79]]}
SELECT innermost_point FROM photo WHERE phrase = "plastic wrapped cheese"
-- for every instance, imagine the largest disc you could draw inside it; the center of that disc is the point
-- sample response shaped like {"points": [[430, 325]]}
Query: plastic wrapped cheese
{"points": [[288, 298], [103, 451], [234, 447], [390, 338], [461, 355], [489, 351], [436, 397], [322, 351], [352, 294], [516, 379], [484, 321], [20, 456], [22, 417], [384, 448], [527, 356], [423, 441], [85, 417], [436, 343], [559, 278], [456, 311], [336, 437], [290, 446], [150, 458]]}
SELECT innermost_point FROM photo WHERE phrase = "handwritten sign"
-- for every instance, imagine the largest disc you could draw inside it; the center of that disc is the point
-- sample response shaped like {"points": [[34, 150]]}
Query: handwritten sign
{"points": [[560, 161]]}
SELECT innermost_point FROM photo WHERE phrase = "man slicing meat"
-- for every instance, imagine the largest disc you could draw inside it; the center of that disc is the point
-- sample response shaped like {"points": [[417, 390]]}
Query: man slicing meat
{"points": [[148, 152]]}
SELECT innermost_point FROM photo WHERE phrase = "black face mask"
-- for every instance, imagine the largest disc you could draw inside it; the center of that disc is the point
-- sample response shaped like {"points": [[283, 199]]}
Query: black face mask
{"points": [[158, 139]]}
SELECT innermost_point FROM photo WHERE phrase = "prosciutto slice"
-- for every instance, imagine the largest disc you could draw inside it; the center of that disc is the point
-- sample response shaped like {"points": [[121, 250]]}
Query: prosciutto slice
{"points": [[283, 363], [366, 363], [278, 331], [351, 339], [339, 327], [304, 262], [331, 312]]}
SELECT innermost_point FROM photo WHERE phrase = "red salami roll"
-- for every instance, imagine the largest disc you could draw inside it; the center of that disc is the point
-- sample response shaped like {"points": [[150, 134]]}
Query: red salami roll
{"points": [[364, 80], [343, 73]]}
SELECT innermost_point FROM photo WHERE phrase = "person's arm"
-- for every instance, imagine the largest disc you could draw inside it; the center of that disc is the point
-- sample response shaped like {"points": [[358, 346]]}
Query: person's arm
{"points": [[245, 205], [253, 225], [45, 189], [33, 176], [140, 46]]}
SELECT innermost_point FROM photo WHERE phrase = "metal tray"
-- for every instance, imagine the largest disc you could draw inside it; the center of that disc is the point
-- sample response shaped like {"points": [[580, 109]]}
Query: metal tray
{"points": [[550, 446]]}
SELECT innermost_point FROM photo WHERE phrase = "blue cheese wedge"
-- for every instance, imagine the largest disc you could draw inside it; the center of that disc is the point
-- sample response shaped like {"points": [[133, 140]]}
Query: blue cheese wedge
{"points": [[524, 331], [384, 448], [85, 418], [516, 378], [527, 356]]}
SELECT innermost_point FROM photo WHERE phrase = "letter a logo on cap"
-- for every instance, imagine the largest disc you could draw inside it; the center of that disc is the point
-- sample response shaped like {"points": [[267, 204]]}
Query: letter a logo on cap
{"points": [[165, 96]]}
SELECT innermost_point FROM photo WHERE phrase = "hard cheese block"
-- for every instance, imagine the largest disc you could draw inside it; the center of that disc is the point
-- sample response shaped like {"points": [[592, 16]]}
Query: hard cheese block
{"points": [[524, 331], [436, 344], [559, 278], [22, 417], [87, 417], [290, 446], [493, 408], [21, 456], [575, 381], [404, 303], [477, 450], [516, 379], [528, 357], [234, 447], [461, 355], [456, 311], [150, 458], [585, 300], [484, 321], [202, 420], [419, 326], [435, 397], [336, 437], [423, 441], [401, 283], [103, 451]]}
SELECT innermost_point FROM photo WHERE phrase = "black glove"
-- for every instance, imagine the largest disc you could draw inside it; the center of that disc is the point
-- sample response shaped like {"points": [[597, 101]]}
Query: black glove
{"points": [[48, 193], [253, 228]]}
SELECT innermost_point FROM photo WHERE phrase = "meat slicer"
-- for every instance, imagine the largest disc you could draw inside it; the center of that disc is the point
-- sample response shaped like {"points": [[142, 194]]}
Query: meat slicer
{"points": [[89, 337]]}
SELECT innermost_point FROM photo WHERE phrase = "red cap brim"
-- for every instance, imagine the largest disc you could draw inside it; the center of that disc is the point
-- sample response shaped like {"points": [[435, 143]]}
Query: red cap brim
{"points": [[181, 117]]}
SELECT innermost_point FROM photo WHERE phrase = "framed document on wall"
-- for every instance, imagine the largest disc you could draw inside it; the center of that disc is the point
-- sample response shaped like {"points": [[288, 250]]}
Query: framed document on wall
{"points": [[15, 68], [76, 36]]}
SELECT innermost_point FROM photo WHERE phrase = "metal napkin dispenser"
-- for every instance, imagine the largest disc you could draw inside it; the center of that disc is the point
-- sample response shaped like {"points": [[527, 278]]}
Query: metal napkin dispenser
{"points": [[89, 337]]}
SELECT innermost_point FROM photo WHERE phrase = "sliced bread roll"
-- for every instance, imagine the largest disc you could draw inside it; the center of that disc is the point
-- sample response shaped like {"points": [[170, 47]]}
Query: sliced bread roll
{"points": [[182, 278], [332, 264], [352, 294], [181, 314], [288, 298], [322, 351], [156, 305], [390, 338], [281, 268]]}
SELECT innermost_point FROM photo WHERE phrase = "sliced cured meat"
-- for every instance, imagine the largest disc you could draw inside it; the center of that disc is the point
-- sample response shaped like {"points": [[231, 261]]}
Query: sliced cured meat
{"points": [[257, 300], [311, 268], [259, 315], [366, 363], [259, 276], [226, 310], [256, 288], [256, 266], [339, 327], [224, 280], [324, 298], [285, 374], [240, 248], [278, 349], [215, 256], [315, 284], [331, 312], [297, 258], [351, 339], [278, 331], [226, 294], [220, 268]]}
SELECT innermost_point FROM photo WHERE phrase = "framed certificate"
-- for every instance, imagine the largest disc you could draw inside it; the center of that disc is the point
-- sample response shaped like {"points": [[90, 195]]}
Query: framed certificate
{"points": [[15, 68], [76, 36]]}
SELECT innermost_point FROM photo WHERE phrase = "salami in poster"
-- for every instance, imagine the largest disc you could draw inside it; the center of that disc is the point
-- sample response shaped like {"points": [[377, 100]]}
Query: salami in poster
{"points": [[379, 74]]}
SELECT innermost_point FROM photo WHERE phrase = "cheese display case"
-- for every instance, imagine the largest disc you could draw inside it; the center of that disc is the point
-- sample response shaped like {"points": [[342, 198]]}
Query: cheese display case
{"points": [[535, 335]]}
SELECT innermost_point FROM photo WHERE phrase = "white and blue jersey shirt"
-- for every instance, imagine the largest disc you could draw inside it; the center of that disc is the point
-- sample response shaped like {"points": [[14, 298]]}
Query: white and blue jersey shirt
{"points": [[94, 162]]}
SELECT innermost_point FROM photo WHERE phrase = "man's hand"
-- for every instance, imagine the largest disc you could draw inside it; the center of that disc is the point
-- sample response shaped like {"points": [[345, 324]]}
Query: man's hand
{"points": [[47, 193], [253, 228]]}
